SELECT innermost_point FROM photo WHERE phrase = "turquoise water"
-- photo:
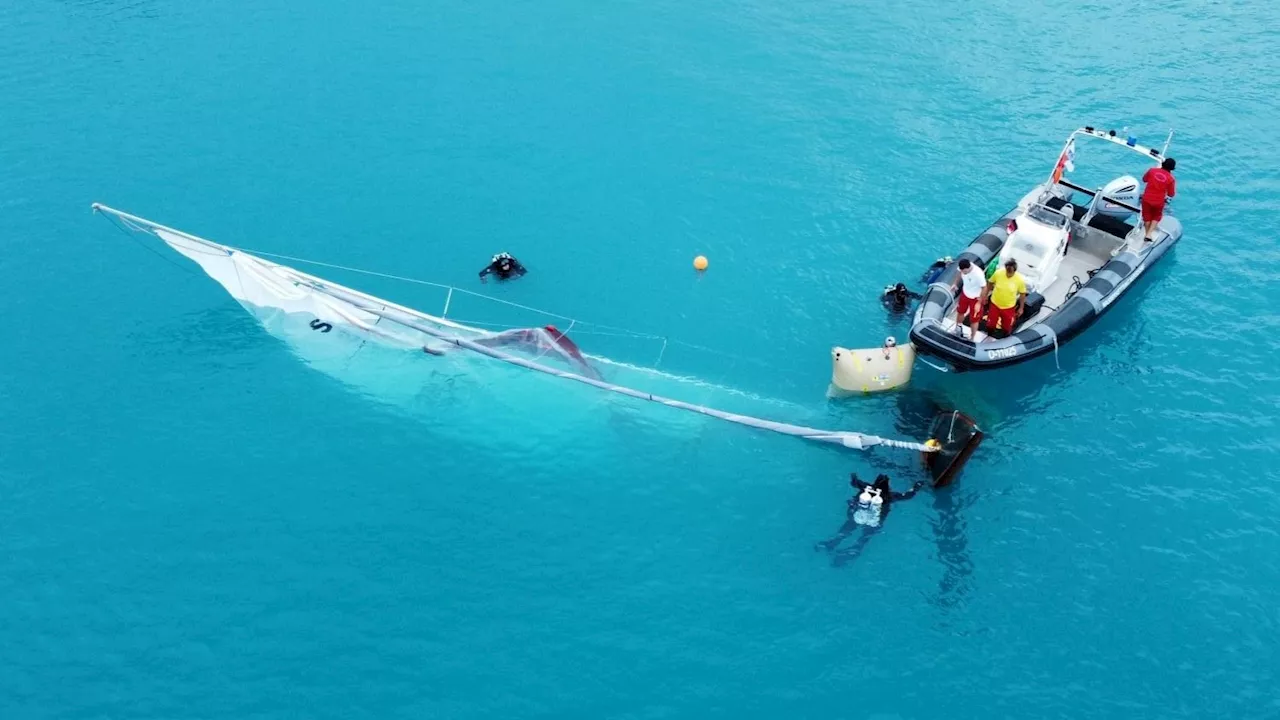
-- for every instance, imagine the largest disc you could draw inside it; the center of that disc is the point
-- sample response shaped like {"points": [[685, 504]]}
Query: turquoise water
{"points": [[196, 523]]}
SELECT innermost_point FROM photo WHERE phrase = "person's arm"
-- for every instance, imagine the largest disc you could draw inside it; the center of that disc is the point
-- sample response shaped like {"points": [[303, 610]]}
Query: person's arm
{"points": [[910, 493], [914, 295], [1173, 185], [486, 271], [1022, 296], [857, 482]]}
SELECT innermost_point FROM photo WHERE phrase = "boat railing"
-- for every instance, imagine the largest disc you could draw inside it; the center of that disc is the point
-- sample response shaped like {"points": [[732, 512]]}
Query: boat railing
{"points": [[1055, 212], [1124, 140]]}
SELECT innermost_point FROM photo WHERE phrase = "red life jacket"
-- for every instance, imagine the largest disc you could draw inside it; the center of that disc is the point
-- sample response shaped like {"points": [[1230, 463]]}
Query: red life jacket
{"points": [[1160, 185]]}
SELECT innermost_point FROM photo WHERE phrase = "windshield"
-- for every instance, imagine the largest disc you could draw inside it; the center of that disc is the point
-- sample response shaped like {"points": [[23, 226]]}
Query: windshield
{"points": [[1043, 214]]}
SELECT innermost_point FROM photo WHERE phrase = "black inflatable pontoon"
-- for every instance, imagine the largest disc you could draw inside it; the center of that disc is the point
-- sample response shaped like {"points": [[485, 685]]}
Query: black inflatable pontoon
{"points": [[957, 436]]}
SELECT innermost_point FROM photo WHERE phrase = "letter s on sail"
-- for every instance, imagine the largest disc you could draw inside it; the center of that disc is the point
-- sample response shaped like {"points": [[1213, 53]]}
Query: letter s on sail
{"points": [[320, 325]]}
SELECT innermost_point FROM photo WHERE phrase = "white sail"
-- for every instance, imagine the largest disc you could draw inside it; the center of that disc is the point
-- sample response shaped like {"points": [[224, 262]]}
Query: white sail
{"points": [[277, 293], [263, 287]]}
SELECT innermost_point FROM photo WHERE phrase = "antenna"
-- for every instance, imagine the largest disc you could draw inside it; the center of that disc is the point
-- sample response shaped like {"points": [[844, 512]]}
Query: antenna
{"points": [[1164, 150]]}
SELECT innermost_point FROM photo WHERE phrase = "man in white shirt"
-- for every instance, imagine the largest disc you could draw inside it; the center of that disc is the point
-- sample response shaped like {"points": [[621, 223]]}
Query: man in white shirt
{"points": [[969, 302]]}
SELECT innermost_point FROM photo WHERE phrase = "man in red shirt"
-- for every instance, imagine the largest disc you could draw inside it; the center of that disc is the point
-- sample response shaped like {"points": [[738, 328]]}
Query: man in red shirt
{"points": [[1160, 187]]}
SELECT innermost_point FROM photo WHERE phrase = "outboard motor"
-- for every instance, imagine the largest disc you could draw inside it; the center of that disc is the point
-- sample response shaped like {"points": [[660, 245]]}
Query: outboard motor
{"points": [[1125, 188]]}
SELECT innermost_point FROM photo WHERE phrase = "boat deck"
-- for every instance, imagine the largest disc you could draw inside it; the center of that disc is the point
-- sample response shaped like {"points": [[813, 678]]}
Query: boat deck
{"points": [[1076, 264]]}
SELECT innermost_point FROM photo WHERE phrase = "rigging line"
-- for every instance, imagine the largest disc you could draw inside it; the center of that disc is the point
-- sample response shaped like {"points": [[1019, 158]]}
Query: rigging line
{"points": [[713, 387], [348, 268], [124, 230], [156, 233], [448, 300], [661, 352], [848, 439], [478, 324], [198, 250], [628, 331], [604, 333], [451, 288], [403, 278], [364, 340], [613, 331], [554, 343], [713, 351], [239, 279]]}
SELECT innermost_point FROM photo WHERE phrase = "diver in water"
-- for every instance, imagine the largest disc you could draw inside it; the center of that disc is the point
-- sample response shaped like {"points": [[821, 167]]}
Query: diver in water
{"points": [[504, 266], [867, 510], [897, 298], [935, 270]]}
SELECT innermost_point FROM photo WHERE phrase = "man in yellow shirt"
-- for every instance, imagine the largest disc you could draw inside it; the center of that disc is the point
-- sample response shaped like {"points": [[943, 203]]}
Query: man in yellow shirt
{"points": [[1008, 293]]}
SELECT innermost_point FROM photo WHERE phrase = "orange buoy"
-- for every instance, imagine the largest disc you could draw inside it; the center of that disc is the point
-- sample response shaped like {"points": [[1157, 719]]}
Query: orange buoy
{"points": [[700, 263]]}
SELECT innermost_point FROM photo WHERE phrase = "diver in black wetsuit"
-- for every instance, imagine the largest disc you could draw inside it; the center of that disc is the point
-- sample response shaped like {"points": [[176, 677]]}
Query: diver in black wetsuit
{"points": [[868, 510], [897, 298], [504, 266], [935, 270]]}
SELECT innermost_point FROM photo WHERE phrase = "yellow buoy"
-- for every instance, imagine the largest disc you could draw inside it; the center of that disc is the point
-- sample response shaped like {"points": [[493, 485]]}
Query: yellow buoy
{"points": [[700, 263]]}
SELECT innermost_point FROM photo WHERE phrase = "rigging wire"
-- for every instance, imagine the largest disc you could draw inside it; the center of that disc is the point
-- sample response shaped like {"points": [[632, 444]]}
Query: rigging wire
{"points": [[604, 329]]}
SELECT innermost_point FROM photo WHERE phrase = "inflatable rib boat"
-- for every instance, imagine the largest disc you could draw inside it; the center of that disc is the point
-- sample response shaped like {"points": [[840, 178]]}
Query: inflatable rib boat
{"points": [[1079, 250]]}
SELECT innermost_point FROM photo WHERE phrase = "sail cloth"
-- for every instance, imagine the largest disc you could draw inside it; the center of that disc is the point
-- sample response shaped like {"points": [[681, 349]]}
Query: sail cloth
{"points": [[545, 341], [263, 286]]}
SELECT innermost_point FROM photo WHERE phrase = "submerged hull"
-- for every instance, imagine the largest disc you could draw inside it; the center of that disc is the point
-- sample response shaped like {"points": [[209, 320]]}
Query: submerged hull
{"points": [[1080, 309], [332, 323]]}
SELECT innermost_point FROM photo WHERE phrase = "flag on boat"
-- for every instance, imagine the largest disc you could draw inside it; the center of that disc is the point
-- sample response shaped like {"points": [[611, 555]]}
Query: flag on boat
{"points": [[1066, 160]]}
